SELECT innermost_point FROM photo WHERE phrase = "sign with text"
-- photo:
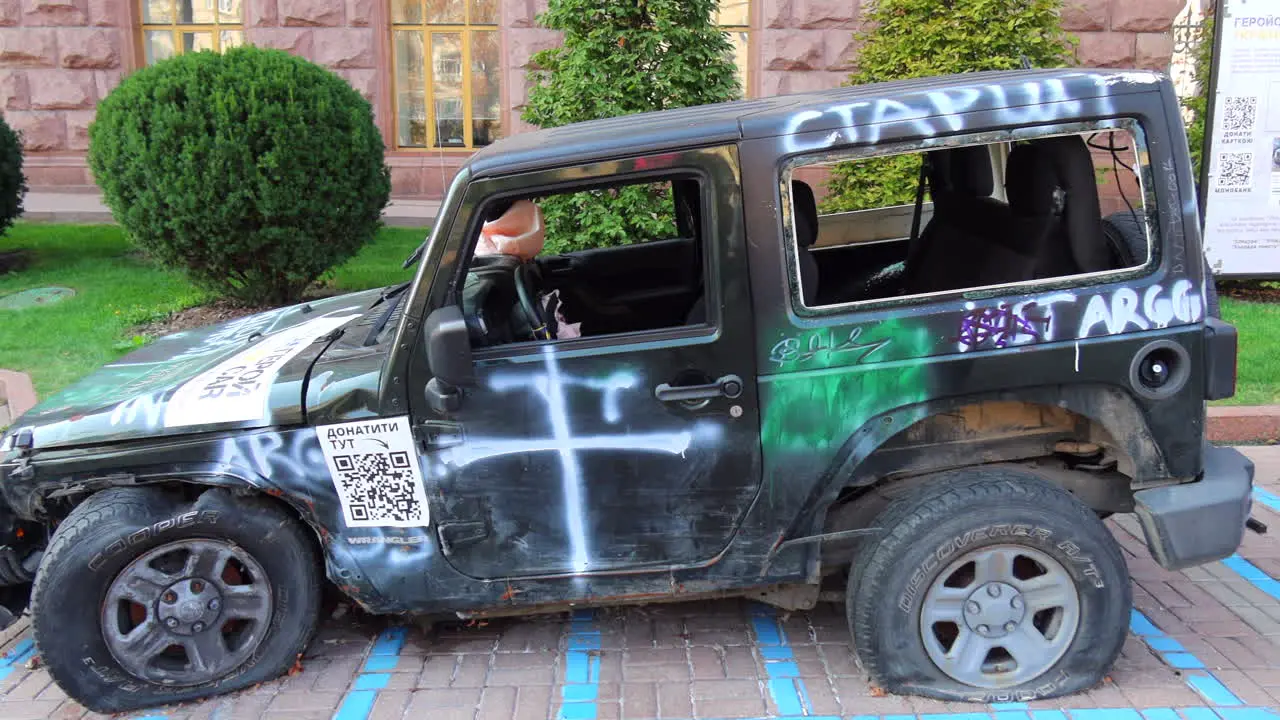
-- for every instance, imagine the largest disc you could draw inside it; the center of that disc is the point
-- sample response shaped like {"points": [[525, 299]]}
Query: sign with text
{"points": [[1242, 193]]}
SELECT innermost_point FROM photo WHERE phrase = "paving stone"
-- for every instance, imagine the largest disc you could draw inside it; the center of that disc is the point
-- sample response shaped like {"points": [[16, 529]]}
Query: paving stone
{"points": [[303, 701], [497, 703], [391, 704], [534, 703]]}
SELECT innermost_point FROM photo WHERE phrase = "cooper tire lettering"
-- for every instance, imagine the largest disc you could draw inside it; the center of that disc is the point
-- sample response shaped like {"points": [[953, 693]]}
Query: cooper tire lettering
{"points": [[185, 520], [939, 526]]}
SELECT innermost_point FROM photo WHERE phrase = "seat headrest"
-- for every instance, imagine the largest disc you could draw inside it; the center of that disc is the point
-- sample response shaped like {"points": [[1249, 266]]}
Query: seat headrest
{"points": [[1056, 174], [806, 213], [1031, 182], [962, 171]]}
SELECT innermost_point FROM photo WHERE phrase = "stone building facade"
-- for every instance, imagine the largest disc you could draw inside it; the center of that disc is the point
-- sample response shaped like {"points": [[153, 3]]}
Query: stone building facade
{"points": [[443, 76]]}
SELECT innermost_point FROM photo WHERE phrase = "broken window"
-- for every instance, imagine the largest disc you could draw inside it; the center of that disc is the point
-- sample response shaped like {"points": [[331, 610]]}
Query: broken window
{"points": [[1032, 207]]}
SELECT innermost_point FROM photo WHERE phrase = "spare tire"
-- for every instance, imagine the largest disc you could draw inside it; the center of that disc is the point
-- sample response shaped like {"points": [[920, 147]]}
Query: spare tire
{"points": [[1129, 242]]}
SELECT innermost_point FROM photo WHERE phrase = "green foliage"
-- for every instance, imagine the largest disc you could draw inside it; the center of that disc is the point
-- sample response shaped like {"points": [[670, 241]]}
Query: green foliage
{"points": [[254, 170], [922, 38], [609, 217], [13, 184], [1198, 103], [621, 57]]}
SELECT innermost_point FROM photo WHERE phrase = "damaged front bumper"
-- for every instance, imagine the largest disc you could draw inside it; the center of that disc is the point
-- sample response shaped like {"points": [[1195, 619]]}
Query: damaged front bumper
{"points": [[1202, 521], [20, 554]]}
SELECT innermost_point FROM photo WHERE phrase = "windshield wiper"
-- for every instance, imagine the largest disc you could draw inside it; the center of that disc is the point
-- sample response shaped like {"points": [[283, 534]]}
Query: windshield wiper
{"points": [[385, 317]]}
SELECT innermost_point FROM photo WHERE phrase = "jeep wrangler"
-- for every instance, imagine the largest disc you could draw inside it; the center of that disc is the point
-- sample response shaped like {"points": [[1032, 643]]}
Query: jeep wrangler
{"points": [[930, 405]]}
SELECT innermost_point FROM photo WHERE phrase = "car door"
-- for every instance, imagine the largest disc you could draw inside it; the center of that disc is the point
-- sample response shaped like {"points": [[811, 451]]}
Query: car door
{"points": [[611, 452]]}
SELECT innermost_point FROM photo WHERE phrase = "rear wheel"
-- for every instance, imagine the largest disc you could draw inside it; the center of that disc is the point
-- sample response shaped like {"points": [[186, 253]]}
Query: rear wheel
{"points": [[173, 601], [989, 585]]}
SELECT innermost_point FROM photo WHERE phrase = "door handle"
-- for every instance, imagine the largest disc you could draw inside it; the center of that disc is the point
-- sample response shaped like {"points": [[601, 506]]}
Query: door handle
{"points": [[729, 386]]}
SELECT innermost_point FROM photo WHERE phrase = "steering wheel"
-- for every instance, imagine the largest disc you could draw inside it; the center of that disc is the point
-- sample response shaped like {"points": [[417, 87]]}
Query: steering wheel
{"points": [[527, 290]]}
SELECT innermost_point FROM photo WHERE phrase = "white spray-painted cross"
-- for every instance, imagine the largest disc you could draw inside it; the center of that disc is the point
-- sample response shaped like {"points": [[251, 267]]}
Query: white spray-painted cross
{"points": [[551, 386]]}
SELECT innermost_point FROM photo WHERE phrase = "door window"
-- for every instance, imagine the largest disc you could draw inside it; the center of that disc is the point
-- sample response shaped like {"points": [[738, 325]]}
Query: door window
{"points": [[610, 259]]}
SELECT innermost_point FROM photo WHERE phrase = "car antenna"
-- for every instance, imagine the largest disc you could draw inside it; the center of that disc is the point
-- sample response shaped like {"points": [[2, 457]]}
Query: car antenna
{"points": [[1026, 61]]}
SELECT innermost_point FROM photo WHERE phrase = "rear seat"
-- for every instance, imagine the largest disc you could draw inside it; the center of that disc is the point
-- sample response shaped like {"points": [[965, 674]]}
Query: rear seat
{"points": [[1051, 226]]}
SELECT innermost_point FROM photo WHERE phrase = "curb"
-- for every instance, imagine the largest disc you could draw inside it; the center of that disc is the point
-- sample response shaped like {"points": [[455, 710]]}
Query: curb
{"points": [[87, 208], [1232, 424]]}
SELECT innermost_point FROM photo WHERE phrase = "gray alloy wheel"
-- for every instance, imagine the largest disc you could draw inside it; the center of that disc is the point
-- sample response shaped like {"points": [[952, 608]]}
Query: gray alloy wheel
{"points": [[999, 616], [187, 612]]}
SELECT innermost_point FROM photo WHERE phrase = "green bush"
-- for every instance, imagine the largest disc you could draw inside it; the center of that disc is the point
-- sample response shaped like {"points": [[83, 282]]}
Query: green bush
{"points": [[1198, 103], [921, 38], [13, 185], [254, 170], [621, 57]]}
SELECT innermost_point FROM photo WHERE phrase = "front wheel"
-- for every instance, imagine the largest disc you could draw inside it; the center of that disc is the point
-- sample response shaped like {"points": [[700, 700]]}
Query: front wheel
{"points": [[989, 585], [143, 600]]}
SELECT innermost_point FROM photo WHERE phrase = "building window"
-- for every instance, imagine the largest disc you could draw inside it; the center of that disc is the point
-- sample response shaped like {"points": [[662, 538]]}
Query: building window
{"points": [[447, 72], [173, 27], [734, 17]]}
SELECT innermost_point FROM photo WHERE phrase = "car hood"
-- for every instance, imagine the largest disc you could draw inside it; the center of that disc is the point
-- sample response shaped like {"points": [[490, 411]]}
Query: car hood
{"points": [[248, 372]]}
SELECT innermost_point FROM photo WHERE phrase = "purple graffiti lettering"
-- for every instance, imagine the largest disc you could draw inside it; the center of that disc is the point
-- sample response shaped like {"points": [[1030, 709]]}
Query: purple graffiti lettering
{"points": [[1001, 326]]}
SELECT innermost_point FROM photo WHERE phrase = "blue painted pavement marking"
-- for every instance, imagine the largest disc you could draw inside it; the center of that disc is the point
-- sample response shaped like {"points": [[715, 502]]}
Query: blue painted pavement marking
{"points": [[364, 692], [784, 683], [1254, 575], [1175, 656], [1249, 713], [1266, 497], [1212, 689], [581, 669], [20, 653]]}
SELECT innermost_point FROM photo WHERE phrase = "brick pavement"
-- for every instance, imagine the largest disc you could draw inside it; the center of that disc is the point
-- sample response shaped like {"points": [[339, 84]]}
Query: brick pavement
{"points": [[1203, 638]]}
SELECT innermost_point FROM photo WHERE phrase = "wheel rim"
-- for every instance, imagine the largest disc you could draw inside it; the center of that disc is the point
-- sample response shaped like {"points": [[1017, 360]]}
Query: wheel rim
{"points": [[187, 612], [999, 616]]}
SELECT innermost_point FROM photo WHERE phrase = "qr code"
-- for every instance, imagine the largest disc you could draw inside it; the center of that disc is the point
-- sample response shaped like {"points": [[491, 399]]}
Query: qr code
{"points": [[1235, 169], [1239, 113], [379, 487]]}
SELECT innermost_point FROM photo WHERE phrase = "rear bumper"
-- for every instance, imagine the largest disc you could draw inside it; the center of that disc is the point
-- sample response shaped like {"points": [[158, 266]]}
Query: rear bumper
{"points": [[1202, 521]]}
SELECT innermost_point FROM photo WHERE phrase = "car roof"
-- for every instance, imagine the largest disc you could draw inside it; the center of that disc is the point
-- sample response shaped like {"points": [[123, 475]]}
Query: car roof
{"points": [[825, 110]]}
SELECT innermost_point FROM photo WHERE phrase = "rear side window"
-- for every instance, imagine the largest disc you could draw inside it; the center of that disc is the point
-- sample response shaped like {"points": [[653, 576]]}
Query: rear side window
{"points": [[1033, 207]]}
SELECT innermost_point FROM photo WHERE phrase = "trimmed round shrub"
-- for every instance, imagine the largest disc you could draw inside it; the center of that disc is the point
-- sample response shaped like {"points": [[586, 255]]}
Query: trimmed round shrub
{"points": [[254, 171], [13, 185]]}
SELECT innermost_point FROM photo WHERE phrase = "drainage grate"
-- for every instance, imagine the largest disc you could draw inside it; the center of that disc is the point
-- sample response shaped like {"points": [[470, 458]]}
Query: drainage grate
{"points": [[35, 297]]}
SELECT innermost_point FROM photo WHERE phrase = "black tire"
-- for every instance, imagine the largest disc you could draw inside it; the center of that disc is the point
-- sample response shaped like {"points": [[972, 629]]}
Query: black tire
{"points": [[938, 523], [1133, 242], [116, 526]]}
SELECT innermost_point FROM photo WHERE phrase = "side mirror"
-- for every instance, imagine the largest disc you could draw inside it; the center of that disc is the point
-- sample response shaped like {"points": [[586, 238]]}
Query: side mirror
{"points": [[449, 357]]}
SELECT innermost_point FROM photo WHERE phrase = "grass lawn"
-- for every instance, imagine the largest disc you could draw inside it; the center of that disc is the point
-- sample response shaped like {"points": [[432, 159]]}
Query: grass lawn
{"points": [[1258, 367], [117, 289]]}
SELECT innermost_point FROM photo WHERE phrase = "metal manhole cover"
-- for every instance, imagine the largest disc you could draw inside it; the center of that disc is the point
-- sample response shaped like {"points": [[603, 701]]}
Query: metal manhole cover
{"points": [[35, 297]]}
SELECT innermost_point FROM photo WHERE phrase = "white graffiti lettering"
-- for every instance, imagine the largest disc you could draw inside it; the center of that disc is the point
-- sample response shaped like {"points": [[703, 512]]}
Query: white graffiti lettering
{"points": [[940, 111], [1125, 309], [551, 385]]}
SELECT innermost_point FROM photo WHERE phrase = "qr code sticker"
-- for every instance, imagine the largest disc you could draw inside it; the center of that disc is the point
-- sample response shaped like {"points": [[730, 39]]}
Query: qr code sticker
{"points": [[379, 488], [1240, 113], [1235, 170], [375, 472]]}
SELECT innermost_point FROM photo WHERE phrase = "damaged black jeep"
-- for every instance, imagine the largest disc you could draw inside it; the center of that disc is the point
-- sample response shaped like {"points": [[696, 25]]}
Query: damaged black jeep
{"points": [[931, 405]]}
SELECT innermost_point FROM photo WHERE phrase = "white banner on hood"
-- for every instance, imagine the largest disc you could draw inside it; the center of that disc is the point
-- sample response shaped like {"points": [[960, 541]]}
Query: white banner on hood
{"points": [[237, 389]]}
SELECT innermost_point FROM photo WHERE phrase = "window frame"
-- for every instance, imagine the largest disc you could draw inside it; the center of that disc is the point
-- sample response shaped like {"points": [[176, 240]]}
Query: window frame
{"points": [[175, 29], [483, 193], [744, 73], [1142, 164], [465, 30]]}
